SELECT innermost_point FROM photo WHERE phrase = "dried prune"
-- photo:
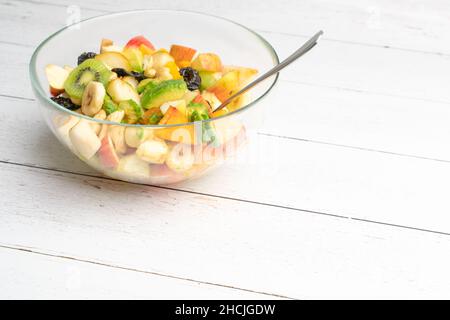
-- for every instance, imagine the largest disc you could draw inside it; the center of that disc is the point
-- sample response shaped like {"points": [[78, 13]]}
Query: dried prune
{"points": [[65, 102], [120, 72], [85, 56], [191, 77], [139, 76]]}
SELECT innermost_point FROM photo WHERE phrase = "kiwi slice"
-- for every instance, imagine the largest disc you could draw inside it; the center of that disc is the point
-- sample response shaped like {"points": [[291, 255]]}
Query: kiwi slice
{"points": [[89, 70], [169, 90]]}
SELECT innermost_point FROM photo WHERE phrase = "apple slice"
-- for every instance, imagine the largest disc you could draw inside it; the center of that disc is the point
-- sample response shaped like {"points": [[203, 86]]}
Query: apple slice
{"points": [[135, 58], [179, 104], [56, 77], [244, 74], [182, 54], [211, 100], [225, 86], [137, 41], [207, 62], [183, 134], [146, 50], [107, 155], [84, 139], [105, 43], [114, 60], [63, 123], [120, 90]]}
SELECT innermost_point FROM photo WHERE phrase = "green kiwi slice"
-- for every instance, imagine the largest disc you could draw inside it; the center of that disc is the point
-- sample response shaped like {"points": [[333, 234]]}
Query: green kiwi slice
{"points": [[89, 70]]}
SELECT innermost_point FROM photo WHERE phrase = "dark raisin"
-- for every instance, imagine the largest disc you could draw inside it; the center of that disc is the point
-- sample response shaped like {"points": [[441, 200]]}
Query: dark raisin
{"points": [[85, 56], [191, 77], [139, 76], [65, 102], [120, 72]]}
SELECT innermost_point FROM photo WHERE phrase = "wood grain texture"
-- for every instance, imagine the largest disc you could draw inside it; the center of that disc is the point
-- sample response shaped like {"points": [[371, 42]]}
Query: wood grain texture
{"points": [[403, 24], [37, 276], [313, 112], [244, 245], [333, 64], [398, 189], [360, 143]]}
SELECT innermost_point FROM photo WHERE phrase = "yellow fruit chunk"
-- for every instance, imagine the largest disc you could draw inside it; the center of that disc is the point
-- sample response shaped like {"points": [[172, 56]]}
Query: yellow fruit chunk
{"points": [[173, 69], [220, 112], [244, 74], [146, 50], [182, 134]]}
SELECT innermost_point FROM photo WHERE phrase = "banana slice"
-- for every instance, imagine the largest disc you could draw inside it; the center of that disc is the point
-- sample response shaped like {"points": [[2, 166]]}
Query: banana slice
{"points": [[180, 158], [135, 136], [153, 151], [92, 99]]}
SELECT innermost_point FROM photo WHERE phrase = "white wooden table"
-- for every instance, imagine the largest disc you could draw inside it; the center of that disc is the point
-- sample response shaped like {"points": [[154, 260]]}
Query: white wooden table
{"points": [[360, 208]]}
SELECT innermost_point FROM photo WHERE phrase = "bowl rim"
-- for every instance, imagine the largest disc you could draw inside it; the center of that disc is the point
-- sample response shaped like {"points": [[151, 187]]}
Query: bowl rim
{"points": [[46, 96]]}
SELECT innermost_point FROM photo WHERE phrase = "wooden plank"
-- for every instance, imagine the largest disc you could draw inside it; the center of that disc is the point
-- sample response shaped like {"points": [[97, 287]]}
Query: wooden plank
{"points": [[335, 64], [283, 172], [220, 241], [416, 25], [26, 275], [358, 119], [326, 114]]}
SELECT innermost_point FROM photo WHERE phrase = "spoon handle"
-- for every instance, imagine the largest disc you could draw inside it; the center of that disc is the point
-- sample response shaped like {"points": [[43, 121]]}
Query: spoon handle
{"points": [[308, 45]]}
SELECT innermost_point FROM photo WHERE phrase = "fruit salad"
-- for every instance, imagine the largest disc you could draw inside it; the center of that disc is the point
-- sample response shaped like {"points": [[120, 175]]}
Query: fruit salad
{"points": [[176, 89]]}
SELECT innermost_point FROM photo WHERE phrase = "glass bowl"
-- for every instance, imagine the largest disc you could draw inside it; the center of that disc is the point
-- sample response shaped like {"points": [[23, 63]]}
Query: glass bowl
{"points": [[154, 154]]}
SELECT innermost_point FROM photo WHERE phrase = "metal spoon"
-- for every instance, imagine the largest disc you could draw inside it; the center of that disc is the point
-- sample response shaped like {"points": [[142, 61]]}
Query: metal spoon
{"points": [[308, 45]]}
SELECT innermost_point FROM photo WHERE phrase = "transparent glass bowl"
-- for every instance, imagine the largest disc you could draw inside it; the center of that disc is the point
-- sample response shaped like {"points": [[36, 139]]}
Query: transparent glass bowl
{"points": [[154, 154]]}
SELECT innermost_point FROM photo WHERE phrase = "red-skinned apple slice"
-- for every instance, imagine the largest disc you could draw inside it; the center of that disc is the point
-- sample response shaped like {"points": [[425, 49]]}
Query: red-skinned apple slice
{"points": [[56, 77], [181, 53], [207, 62], [107, 155], [138, 41], [225, 86]]}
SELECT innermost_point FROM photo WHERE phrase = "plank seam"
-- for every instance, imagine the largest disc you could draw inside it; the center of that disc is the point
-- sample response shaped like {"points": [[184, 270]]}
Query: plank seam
{"points": [[354, 147], [332, 215], [272, 32], [406, 155], [108, 265]]}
